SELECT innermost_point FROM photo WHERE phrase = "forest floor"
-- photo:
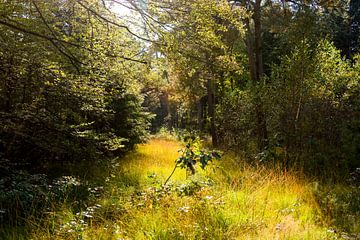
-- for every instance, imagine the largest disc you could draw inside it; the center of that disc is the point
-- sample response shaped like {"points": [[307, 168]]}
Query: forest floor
{"points": [[228, 200]]}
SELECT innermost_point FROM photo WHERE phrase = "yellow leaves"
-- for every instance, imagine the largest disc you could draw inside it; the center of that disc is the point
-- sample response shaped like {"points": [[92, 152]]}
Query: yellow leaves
{"points": [[214, 18], [48, 83], [229, 63]]}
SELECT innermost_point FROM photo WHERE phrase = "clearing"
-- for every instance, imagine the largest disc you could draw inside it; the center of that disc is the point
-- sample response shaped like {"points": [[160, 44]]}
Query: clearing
{"points": [[228, 200]]}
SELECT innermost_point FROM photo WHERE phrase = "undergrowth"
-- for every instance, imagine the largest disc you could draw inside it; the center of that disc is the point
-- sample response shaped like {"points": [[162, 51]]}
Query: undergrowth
{"points": [[228, 200]]}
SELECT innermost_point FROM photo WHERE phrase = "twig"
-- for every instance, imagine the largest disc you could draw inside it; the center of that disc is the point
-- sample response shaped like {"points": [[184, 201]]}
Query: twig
{"points": [[170, 175]]}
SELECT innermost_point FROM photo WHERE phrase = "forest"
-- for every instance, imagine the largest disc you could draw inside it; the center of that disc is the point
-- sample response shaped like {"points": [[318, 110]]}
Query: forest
{"points": [[180, 119]]}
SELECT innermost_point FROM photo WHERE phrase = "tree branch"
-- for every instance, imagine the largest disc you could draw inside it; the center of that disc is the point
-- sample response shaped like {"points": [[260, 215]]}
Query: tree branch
{"points": [[43, 36], [70, 56], [112, 22]]}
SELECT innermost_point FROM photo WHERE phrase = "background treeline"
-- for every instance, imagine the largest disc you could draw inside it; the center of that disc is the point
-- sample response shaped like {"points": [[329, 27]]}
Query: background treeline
{"points": [[275, 80]]}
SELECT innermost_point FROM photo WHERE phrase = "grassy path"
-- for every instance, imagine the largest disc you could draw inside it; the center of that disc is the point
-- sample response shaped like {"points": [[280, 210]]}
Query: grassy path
{"points": [[229, 200]]}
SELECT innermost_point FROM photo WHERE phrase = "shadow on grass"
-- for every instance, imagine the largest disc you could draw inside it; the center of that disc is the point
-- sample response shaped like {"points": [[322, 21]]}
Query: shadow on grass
{"points": [[340, 206], [67, 192]]}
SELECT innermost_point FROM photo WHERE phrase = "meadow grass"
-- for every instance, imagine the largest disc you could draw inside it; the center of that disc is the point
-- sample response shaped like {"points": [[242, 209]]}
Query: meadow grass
{"points": [[229, 200]]}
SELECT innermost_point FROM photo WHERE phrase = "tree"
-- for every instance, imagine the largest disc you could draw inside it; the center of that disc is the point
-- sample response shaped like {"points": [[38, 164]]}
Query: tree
{"points": [[196, 46], [69, 89]]}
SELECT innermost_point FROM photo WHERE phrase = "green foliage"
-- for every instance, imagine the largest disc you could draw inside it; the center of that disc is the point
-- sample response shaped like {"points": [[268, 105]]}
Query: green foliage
{"points": [[66, 92], [129, 120], [192, 154], [199, 48], [164, 133], [235, 120], [192, 186], [340, 204], [306, 100], [308, 112], [25, 195], [311, 107], [21, 195]]}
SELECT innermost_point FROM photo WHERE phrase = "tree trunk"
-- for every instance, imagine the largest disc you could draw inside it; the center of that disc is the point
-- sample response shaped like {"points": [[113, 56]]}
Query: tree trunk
{"points": [[165, 106], [254, 49], [211, 111], [200, 112]]}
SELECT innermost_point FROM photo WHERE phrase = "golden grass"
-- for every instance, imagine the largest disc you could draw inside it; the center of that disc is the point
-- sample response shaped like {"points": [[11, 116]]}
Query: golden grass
{"points": [[240, 202]]}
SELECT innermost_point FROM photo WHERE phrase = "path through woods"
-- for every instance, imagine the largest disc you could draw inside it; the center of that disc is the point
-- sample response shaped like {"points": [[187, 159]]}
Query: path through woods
{"points": [[229, 200]]}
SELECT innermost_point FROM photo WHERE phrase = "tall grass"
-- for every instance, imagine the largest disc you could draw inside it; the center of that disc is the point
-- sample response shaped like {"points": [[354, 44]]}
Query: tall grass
{"points": [[229, 200]]}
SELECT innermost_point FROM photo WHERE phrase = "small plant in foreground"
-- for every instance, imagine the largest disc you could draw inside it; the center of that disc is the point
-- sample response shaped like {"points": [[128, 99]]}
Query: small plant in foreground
{"points": [[193, 153]]}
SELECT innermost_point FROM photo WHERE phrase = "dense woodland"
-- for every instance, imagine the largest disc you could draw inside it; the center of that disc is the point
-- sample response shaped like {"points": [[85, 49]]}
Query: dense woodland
{"points": [[83, 82]]}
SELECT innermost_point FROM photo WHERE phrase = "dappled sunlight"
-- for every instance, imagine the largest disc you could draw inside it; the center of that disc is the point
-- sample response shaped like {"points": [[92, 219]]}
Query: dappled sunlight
{"points": [[154, 159]]}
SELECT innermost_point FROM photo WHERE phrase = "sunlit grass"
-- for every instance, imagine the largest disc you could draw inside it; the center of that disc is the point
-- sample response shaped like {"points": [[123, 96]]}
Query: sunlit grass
{"points": [[230, 200], [157, 158]]}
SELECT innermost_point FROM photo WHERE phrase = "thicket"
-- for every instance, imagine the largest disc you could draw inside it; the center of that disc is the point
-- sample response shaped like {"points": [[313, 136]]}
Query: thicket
{"points": [[68, 91], [311, 104], [69, 100]]}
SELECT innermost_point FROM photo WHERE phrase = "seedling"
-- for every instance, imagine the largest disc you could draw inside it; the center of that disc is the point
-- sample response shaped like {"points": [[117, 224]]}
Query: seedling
{"points": [[192, 154]]}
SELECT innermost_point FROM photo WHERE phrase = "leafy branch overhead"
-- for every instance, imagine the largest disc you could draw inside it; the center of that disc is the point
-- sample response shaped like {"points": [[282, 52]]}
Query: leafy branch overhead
{"points": [[63, 39]]}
